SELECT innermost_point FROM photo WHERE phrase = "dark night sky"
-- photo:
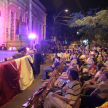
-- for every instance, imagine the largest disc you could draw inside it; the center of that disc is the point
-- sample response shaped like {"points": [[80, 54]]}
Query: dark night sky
{"points": [[55, 6]]}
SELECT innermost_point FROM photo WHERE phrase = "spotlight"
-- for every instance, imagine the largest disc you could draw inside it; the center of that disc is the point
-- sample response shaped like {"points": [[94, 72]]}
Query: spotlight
{"points": [[32, 36], [27, 49]]}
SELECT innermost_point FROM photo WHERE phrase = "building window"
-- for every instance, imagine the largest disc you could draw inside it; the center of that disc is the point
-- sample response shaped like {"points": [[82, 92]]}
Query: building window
{"points": [[17, 28], [12, 26], [20, 37]]}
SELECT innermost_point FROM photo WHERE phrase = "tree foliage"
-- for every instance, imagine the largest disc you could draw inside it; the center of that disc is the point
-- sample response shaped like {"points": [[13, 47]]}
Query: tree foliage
{"points": [[94, 26], [100, 19]]}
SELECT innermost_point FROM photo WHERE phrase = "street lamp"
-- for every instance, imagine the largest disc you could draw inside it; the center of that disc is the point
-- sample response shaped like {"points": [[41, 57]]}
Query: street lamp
{"points": [[66, 10], [55, 17]]}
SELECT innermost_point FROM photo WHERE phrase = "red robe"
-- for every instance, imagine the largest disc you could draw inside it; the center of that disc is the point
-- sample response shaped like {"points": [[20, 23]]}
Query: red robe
{"points": [[9, 81]]}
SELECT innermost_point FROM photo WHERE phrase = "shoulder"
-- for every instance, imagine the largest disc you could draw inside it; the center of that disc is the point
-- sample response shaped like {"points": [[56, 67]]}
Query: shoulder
{"points": [[74, 84]]}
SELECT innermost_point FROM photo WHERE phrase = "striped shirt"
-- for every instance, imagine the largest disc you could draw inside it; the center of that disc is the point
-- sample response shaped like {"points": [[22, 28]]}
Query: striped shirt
{"points": [[73, 91]]}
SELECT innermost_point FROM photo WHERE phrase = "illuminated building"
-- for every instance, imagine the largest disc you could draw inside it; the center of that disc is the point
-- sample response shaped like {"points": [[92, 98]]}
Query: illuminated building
{"points": [[15, 23]]}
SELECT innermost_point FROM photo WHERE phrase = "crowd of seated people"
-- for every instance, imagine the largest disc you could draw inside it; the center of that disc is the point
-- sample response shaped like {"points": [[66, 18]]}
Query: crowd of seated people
{"points": [[71, 90], [85, 72]]}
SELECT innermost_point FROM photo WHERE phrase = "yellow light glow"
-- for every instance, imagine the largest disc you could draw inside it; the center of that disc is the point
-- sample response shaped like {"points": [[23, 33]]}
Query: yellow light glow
{"points": [[66, 10]]}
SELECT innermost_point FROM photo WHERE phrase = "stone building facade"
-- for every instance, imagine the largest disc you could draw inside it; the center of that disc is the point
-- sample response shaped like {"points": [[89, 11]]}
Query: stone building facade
{"points": [[15, 23]]}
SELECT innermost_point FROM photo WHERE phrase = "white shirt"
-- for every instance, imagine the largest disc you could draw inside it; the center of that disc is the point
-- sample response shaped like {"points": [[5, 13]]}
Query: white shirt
{"points": [[90, 62]]}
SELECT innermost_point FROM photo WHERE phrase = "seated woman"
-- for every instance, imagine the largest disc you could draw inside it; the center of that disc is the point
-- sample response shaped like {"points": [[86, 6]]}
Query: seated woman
{"points": [[90, 72], [91, 84], [97, 76], [72, 91], [86, 72], [50, 68]]}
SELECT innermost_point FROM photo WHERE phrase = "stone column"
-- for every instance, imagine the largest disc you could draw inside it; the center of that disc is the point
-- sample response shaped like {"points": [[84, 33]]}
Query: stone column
{"points": [[30, 16]]}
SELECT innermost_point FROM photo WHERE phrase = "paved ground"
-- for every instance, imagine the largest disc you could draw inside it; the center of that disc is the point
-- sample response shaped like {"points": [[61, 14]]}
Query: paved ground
{"points": [[24, 95], [6, 54]]}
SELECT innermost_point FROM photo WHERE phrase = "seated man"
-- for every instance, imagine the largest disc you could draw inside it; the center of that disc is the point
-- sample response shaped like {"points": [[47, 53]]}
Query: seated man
{"points": [[64, 76], [50, 68], [72, 91], [98, 96]]}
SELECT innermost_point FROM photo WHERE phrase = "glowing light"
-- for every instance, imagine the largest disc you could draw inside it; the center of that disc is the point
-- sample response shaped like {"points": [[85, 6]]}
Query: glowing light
{"points": [[66, 10], [32, 36], [27, 49], [85, 41], [12, 48], [78, 33]]}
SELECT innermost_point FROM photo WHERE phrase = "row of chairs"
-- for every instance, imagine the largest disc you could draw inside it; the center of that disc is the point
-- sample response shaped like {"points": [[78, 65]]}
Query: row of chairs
{"points": [[37, 99]]}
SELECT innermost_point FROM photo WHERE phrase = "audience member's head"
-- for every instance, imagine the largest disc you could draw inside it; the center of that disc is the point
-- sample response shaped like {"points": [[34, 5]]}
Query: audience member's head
{"points": [[100, 65], [57, 59], [74, 66], [73, 74], [74, 56], [95, 61], [66, 51], [91, 55]]}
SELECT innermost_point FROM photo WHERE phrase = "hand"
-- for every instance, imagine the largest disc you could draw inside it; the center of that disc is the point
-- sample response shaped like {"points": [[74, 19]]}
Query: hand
{"points": [[86, 83], [60, 77], [64, 89], [52, 65], [54, 95], [87, 87]]}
